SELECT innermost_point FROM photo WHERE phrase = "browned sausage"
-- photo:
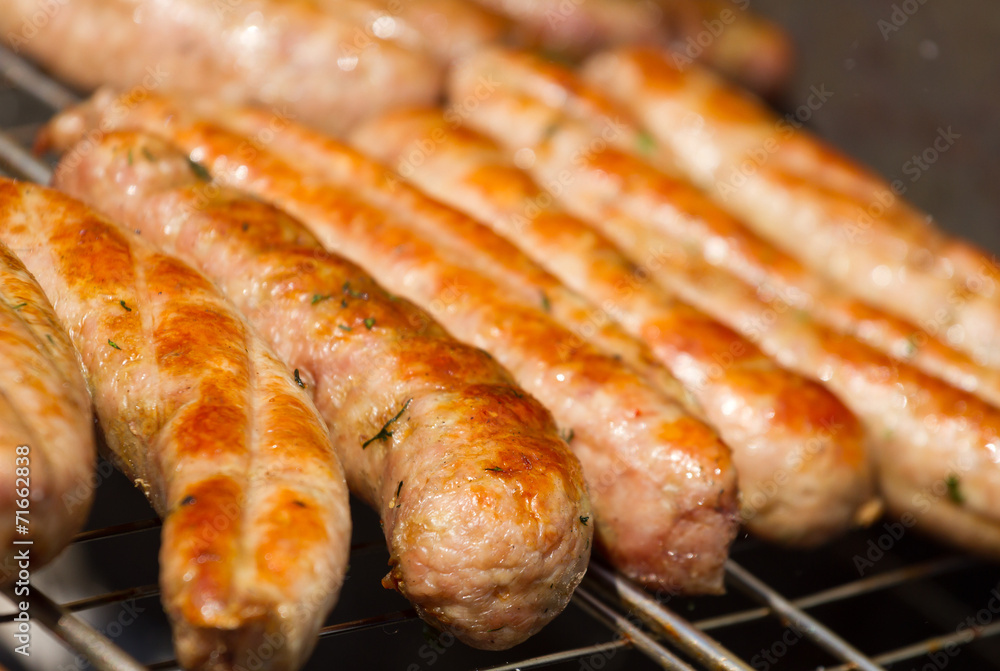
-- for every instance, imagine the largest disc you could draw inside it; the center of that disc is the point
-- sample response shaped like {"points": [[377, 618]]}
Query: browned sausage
{"points": [[719, 32], [46, 429], [288, 54], [199, 413], [445, 28]]}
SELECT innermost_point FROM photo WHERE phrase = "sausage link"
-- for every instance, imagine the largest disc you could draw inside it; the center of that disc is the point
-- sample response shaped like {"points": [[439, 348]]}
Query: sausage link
{"points": [[46, 432], [288, 54], [197, 411], [447, 29], [480, 499], [743, 44]]}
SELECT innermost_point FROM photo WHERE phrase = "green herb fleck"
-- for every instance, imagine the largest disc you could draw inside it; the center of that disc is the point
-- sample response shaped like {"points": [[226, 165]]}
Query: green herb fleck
{"points": [[110, 342], [384, 433], [317, 298], [546, 304], [953, 492], [356, 294], [130, 156], [497, 629], [199, 171], [550, 130], [245, 226], [49, 336], [496, 469], [584, 519], [20, 305], [127, 308], [568, 436], [369, 323], [343, 302], [345, 327], [148, 154], [645, 142], [298, 379], [911, 346]]}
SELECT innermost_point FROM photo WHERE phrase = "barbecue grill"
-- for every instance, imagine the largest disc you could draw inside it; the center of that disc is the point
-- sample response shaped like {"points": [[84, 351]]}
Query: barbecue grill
{"points": [[881, 598]]}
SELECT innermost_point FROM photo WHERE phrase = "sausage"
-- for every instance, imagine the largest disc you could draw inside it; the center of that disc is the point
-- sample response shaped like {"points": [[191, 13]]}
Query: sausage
{"points": [[737, 42], [890, 397], [833, 215], [480, 499], [634, 443], [769, 417], [523, 83], [447, 29], [46, 436], [197, 411], [289, 54]]}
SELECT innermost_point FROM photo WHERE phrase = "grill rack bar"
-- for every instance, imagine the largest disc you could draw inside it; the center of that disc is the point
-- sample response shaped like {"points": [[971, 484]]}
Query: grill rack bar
{"points": [[77, 634], [794, 616], [690, 638]]}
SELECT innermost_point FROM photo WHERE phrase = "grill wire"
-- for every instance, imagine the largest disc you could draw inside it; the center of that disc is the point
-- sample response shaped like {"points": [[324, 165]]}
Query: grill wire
{"points": [[903, 602]]}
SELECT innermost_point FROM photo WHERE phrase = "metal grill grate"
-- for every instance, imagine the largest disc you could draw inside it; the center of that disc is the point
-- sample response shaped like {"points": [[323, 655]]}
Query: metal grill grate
{"points": [[883, 588]]}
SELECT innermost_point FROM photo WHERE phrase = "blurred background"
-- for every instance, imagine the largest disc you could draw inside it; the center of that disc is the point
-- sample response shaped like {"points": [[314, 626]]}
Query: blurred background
{"points": [[899, 71]]}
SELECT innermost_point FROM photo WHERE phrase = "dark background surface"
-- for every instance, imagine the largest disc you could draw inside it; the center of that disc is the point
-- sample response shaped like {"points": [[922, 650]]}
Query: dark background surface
{"points": [[941, 68]]}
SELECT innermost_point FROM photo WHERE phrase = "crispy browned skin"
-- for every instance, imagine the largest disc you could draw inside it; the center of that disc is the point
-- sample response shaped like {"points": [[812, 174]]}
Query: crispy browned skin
{"points": [[480, 499], [287, 54], [831, 213], [577, 138], [892, 398], [200, 413], [662, 483], [719, 32], [46, 431], [778, 424]]}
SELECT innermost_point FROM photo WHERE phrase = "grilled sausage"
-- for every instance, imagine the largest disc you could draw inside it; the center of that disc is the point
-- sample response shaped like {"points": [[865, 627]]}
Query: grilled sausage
{"points": [[577, 142], [480, 499], [199, 413], [288, 54], [445, 28], [662, 483], [832, 214], [718, 32], [46, 435], [778, 424]]}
